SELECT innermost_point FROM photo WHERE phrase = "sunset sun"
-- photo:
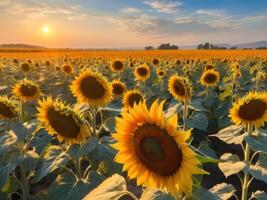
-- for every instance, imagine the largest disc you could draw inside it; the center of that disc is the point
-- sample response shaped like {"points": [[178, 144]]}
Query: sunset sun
{"points": [[45, 29]]}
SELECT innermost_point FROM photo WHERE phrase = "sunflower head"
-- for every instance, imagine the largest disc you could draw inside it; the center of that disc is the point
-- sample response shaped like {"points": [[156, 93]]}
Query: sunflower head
{"points": [[251, 109], [61, 120], [91, 88], [8, 108], [180, 88], [118, 88], [25, 67], [261, 75], [142, 73], [117, 66], [210, 78], [15, 61], [160, 73], [155, 61], [132, 97], [26, 90], [47, 63], [209, 67], [68, 69], [153, 151]]}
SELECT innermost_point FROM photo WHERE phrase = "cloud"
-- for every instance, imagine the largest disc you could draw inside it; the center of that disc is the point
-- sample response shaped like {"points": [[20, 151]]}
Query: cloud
{"points": [[164, 6], [131, 10], [210, 12]]}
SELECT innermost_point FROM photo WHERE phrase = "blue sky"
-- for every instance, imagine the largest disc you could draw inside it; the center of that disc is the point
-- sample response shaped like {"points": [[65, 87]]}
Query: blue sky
{"points": [[131, 23]]}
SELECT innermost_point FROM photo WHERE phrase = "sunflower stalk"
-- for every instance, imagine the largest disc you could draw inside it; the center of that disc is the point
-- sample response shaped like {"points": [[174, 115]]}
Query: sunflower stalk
{"points": [[185, 114], [24, 184], [246, 181], [77, 162]]}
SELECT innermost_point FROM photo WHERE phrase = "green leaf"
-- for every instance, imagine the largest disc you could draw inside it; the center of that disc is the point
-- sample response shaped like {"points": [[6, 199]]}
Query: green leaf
{"points": [[200, 193], [173, 108], [10, 186], [230, 164], [40, 140], [53, 158], [7, 142], [30, 161], [155, 194], [259, 170], [205, 149], [196, 104], [223, 190], [67, 187], [257, 143], [199, 120], [20, 131], [74, 151], [259, 195], [112, 188], [90, 145], [231, 134]]}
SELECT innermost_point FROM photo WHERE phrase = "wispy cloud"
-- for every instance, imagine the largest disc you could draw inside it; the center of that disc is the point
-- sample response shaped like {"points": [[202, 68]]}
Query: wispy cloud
{"points": [[164, 6], [131, 10]]}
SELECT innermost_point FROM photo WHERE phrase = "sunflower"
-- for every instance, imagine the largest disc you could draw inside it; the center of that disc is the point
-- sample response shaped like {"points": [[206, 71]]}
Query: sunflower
{"points": [[180, 88], [155, 61], [118, 88], [132, 97], [209, 67], [26, 90], [117, 66], [251, 109], [68, 69], [25, 67], [91, 88], [8, 108], [153, 151], [210, 78], [142, 73], [160, 73], [63, 121]]}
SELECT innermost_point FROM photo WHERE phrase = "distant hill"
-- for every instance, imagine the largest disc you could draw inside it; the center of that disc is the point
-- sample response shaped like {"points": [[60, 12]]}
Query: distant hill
{"points": [[252, 45], [20, 46]]}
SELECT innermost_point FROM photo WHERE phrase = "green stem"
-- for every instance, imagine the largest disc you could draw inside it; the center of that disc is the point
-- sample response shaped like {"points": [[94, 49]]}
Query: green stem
{"points": [[24, 184], [78, 168], [185, 113], [94, 121], [245, 184]]}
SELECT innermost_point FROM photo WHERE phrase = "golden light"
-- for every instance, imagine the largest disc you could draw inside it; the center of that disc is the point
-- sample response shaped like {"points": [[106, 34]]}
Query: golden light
{"points": [[45, 29]]}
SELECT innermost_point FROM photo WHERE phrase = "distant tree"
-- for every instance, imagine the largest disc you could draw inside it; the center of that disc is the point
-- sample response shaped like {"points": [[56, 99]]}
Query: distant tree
{"points": [[168, 46], [233, 48], [261, 48], [208, 45], [149, 48]]}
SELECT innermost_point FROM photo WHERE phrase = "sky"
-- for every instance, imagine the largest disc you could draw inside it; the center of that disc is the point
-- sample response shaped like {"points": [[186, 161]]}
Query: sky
{"points": [[131, 23]]}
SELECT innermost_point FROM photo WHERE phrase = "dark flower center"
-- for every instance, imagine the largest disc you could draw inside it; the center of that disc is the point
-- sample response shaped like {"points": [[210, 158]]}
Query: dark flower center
{"points": [[91, 88], [252, 110], [157, 150]]}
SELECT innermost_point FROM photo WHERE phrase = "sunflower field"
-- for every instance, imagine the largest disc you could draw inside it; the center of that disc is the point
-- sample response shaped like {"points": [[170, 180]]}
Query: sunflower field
{"points": [[128, 125]]}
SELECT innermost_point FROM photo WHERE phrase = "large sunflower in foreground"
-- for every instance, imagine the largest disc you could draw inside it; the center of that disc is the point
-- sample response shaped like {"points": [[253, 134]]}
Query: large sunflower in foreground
{"points": [[61, 120], [210, 78], [251, 109], [91, 88], [132, 97], [26, 90], [180, 88], [142, 73], [118, 88], [153, 151], [8, 108]]}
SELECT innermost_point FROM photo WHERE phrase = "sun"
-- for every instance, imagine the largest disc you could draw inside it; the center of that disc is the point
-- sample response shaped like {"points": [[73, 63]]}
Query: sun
{"points": [[45, 29]]}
